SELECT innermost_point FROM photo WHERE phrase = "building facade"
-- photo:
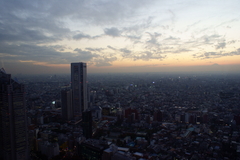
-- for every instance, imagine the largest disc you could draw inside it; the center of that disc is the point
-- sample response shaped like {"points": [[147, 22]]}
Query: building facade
{"points": [[13, 119], [66, 101], [79, 87], [87, 124]]}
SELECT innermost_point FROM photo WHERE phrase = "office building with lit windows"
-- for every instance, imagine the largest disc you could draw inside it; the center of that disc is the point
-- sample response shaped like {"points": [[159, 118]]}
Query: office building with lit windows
{"points": [[13, 119]]}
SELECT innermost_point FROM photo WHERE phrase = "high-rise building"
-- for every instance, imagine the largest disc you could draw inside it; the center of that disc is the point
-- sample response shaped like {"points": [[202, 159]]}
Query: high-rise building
{"points": [[13, 119], [66, 101], [87, 124], [79, 87], [157, 116]]}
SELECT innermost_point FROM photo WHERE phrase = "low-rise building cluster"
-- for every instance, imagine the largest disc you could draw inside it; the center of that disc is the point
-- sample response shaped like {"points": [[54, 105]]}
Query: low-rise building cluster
{"points": [[139, 117]]}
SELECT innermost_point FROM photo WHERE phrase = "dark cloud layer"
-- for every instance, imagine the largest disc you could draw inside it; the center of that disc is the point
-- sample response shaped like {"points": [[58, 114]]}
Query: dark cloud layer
{"points": [[25, 24]]}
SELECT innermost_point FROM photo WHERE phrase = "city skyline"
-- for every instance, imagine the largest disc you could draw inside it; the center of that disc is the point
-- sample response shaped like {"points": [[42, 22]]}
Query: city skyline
{"points": [[153, 116], [113, 36]]}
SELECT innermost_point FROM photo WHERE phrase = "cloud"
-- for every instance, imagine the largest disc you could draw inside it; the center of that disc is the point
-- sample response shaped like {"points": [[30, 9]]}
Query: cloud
{"points": [[135, 39], [11, 33], [170, 38], [146, 56], [192, 25], [153, 38], [95, 49], [58, 47], [181, 50], [134, 32], [202, 42], [53, 54], [114, 32], [100, 12], [30, 51], [125, 52], [80, 36], [212, 55], [153, 43], [111, 48], [105, 61], [46, 54], [102, 63], [28, 22], [84, 55], [39, 31], [232, 42], [140, 26], [221, 45], [227, 22], [210, 39]]}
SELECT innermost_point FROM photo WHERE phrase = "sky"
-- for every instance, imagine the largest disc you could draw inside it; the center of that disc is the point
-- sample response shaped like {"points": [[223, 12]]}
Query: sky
{"points": [[111, 36]]}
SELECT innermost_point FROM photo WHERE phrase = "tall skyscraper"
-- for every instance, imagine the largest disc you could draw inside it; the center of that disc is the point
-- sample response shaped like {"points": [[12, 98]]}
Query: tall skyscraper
{"points": [[13, 119], [67, 108], [79, 87]]}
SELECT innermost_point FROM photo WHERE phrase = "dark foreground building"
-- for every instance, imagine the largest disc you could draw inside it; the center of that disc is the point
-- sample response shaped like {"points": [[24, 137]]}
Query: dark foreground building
{"points": [[13, 119], [87, 124], [67, 109], [92, 149]]}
